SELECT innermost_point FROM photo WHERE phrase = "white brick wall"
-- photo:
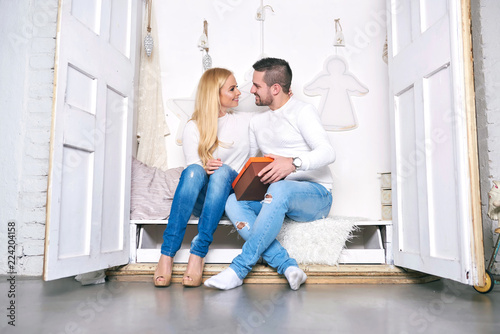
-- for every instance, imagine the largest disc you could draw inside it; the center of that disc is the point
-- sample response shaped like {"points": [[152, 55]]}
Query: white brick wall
{"points": [[29, 28], [33, 190], [486, 47]]}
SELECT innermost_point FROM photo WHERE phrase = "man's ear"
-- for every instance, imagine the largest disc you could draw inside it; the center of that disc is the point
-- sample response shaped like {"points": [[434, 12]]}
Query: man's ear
{"points": [[276, 89]]}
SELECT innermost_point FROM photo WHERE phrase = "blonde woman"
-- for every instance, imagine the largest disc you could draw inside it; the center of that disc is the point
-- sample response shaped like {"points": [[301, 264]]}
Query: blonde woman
{"points": [[215, 145]]}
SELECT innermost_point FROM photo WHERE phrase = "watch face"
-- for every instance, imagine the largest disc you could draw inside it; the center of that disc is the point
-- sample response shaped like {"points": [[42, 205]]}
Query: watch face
{"points": [[297, 162]]}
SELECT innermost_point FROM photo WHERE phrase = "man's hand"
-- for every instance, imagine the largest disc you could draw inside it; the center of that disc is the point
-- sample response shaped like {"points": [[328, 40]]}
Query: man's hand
{"points": [[212, 165], [277, 170]]}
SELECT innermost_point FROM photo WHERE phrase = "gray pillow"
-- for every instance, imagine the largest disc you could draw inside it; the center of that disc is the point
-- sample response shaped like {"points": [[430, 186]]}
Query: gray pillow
{"points": [[152, 191]]}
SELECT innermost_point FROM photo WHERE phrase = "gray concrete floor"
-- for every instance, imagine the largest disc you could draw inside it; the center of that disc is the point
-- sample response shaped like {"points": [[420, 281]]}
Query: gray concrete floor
{"points": [[64, 306]]}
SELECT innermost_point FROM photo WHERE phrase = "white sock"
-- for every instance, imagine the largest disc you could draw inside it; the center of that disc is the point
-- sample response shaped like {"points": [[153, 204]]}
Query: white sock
{"points": [[295, 277], [225, 280]]}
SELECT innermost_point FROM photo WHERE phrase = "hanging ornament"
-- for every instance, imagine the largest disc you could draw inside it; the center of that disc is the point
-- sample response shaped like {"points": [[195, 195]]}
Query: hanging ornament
{"points": [[148, 40], [207, 61], [148, 43], [261, 12], [203, 42], [204, 46], [385, 52], [339, 35], [336, 85], [261, 16]]}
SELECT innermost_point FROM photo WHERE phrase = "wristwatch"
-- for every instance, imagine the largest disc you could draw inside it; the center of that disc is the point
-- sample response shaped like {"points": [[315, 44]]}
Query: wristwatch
{"points": [[297, 162]]}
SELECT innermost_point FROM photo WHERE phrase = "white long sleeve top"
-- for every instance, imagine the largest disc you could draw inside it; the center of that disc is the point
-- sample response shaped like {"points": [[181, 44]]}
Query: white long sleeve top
{"points": [[295, 130], [233, 147]]}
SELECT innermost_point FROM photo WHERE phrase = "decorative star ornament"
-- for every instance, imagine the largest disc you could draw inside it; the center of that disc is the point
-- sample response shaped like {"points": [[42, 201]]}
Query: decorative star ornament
{"points": [[183, 108]]}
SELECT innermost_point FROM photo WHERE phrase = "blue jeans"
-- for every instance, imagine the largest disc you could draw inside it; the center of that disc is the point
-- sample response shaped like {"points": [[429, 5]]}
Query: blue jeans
{"points": [[203, 196], [260, 222]]}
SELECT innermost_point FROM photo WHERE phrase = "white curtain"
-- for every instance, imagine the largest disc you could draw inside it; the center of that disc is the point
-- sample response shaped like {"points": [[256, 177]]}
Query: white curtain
{"points": [[151, 125]]}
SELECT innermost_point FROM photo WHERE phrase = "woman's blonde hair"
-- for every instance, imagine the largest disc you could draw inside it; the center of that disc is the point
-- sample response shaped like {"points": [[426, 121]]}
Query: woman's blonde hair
{"points": [[206, 110]]}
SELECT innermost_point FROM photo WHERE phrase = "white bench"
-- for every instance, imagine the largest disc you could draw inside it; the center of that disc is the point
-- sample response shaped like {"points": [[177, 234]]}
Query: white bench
{"points": [[371, 243]]}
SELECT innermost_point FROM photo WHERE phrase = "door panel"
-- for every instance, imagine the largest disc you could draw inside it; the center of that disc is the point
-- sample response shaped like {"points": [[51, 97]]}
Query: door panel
{"points": [[405, 150], [119, 32], [89, 176], [402, 22], [432, 11], [87, 12], [112, 231], [76, 198], [441, 183], [81, 90], [432, 199]]}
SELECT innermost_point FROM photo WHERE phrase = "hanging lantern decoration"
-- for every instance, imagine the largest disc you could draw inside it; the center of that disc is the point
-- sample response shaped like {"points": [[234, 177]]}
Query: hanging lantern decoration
{"points": [[148, 40], [204, 46], [339, 35]]}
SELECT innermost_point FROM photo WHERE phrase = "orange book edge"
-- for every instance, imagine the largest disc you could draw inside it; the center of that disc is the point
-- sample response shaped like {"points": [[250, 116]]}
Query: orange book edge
{"points": [[247, 164]]}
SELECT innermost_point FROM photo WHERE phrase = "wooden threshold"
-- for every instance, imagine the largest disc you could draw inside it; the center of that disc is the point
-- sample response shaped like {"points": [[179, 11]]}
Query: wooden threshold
{"points": [[262, 274]]}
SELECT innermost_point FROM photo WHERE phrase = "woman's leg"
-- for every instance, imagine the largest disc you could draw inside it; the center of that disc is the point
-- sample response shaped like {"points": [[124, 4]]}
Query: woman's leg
{"points": [[214, 197], [217, 191], [192, 181], [163, 272]]}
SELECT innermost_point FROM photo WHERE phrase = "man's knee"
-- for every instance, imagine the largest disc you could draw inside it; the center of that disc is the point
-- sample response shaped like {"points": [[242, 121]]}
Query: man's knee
{"points": [[276, 193], [277, 188], [268, 199]]}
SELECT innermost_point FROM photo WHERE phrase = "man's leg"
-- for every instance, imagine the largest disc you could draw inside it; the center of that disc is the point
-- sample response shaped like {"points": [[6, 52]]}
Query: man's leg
{"points": [[301, 201], [243, 215]]}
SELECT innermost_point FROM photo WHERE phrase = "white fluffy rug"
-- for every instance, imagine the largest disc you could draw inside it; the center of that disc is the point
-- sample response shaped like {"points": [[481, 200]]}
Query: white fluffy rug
{"points": [[317, 242]]}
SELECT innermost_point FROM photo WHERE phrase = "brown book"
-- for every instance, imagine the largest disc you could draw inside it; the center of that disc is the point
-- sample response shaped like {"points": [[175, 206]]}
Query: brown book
{"points": [[247, 185]]}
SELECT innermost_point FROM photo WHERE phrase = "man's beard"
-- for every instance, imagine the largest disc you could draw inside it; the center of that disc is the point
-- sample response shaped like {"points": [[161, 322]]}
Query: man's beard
{"points": [[260, 102]]}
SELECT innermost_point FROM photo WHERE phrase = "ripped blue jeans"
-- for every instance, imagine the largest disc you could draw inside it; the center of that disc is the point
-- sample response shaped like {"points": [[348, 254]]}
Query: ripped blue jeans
{"points": [[203, 196], [260, 222]]}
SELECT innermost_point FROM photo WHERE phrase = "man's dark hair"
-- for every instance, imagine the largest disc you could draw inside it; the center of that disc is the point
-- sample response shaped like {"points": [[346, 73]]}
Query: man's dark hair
{"points": [[277, 71]]}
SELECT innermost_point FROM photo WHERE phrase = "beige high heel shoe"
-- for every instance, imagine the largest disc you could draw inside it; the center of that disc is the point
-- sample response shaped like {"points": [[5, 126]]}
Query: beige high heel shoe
{"points": [[194, 279], [167, 277]]}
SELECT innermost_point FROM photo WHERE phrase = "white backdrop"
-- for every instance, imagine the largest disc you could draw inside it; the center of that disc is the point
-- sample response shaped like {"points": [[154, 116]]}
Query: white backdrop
{"points": [[303, 34]]}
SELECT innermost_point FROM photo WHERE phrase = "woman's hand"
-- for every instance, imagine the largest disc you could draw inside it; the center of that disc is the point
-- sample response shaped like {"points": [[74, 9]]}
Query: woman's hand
{"points": [[212, 165]]}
